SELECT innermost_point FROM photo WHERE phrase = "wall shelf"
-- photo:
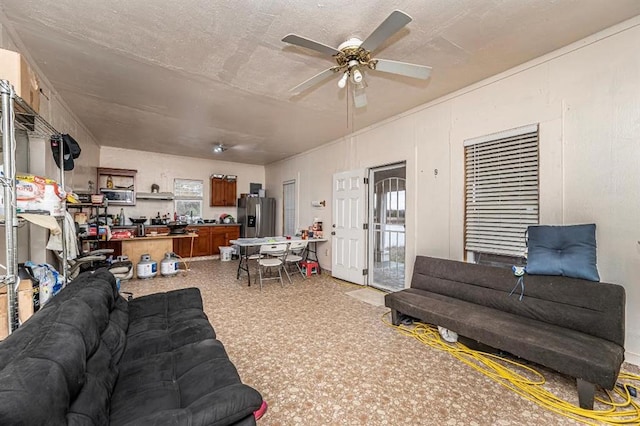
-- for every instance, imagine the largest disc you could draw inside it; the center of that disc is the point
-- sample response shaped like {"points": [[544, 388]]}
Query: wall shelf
{"points": [[122, 179]]}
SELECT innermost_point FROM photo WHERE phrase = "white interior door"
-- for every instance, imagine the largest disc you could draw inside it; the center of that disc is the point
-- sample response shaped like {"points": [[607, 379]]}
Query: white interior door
{"points": [[349, 238]]}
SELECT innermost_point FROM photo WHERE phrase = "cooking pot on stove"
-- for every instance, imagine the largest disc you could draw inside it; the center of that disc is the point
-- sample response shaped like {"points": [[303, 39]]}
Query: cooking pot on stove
{"points": [[177, 227]]}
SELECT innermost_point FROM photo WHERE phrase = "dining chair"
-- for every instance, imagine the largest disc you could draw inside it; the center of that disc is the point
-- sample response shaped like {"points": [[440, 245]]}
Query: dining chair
{"points": [[272, 256], [295, 256]]}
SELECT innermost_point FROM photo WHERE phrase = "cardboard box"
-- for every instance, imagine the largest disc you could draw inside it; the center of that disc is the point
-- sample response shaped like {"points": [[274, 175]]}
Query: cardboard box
{"points": [[25, 305], [14, 68]]}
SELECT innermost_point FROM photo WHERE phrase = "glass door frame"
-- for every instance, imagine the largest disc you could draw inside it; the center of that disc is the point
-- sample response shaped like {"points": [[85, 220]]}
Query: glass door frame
{"points": [[373, 261]]}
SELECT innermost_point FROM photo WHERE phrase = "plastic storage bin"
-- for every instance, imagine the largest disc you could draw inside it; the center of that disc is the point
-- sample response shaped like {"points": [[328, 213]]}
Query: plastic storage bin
{"points": [[225, 253]]}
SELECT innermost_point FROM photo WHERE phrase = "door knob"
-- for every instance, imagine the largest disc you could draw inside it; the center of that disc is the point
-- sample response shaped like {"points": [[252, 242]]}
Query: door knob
{"points": [[333, 232]]}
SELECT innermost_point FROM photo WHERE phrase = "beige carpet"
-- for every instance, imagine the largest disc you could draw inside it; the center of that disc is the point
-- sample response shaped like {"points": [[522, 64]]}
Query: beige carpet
{"points": [[322, 357]]}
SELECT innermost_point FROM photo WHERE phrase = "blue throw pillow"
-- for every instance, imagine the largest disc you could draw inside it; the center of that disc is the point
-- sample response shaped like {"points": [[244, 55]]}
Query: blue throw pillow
{"points": [[569, 251]]}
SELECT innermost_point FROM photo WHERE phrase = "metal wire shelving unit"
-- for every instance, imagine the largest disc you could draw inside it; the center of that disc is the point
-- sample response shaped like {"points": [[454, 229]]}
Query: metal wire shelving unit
{"points": [[15, 113]]}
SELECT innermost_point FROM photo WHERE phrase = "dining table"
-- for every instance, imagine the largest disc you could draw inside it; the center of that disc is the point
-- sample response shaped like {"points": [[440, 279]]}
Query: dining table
{"points": [[247, 244]]}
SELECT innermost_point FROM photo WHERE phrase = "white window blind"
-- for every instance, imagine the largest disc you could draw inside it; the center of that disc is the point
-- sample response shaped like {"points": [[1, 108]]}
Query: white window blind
{"points": [[501, 190], [289, 202]]}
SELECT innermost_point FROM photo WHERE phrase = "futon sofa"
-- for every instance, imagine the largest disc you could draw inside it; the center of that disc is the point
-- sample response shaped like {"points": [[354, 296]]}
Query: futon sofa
{"points": [[570, 325], [89, 357]]}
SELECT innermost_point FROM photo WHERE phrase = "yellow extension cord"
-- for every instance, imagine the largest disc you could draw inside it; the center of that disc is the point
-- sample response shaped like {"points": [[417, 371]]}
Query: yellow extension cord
{"points": [[618, 409]]}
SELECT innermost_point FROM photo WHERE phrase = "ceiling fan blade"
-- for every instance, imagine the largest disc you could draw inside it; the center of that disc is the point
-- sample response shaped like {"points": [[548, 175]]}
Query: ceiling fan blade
{"points": [[403, 68], [318, 78], [394, 23], [359, 97], [310, 44]]}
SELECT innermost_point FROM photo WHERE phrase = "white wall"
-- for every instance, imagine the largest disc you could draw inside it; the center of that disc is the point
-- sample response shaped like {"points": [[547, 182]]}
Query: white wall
{"points": [[586, 98], [162, 169]]}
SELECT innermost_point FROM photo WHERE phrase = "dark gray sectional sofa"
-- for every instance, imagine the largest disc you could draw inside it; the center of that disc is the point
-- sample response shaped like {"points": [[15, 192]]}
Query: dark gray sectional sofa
{"points": [[570, 325], [91, 358]]}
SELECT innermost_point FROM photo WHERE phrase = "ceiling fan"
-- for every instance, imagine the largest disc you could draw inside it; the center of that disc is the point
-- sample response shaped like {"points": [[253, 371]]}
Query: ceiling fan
{"points": [[354, 55]]}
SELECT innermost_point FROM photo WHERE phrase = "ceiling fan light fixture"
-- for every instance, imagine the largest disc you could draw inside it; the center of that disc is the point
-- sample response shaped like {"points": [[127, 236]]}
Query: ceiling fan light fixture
{"points": [[343, 80], [356, 75], [219, 148], [353, 55]]}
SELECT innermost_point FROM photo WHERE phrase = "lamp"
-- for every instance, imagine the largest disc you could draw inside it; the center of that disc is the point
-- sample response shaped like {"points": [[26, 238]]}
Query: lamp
{"points": [[217, 149]]}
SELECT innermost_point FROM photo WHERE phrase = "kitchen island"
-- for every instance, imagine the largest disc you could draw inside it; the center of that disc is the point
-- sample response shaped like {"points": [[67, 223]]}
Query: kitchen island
{"points": [[154, 245]]}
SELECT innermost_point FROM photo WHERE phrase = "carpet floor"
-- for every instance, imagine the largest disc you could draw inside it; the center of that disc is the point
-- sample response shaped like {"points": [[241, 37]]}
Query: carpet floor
{"points": [[321, 357]]}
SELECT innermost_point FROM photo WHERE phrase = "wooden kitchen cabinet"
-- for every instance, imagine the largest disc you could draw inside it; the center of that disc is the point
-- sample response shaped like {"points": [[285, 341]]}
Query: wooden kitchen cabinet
{"points": [[182, 246], [223, 192], [210, 238], [221, 235], [202, 244]]}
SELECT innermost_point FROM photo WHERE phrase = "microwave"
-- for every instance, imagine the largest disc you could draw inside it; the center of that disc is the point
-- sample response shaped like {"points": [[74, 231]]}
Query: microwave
{"points": [[119, 196]]}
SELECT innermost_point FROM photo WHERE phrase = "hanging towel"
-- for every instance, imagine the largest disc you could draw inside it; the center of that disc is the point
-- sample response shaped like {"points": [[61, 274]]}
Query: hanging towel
{"points": [[48, 222], [55, 240]]}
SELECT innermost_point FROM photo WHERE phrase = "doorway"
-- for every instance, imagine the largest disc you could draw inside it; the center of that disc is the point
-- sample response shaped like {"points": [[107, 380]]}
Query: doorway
{"points": [[387, 208]]}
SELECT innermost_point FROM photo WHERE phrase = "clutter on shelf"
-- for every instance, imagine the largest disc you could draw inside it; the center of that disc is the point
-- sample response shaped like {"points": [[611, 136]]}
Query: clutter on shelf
{"points": [[36, 194]]}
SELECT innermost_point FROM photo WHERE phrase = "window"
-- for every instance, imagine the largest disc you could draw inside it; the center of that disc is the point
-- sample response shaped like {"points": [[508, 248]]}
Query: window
{"points": [[501, 192], [289, 203], [188, 199]]}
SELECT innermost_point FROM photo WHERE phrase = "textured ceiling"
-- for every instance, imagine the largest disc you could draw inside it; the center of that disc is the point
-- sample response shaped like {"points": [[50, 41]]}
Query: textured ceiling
{"points": [[178, 77]]}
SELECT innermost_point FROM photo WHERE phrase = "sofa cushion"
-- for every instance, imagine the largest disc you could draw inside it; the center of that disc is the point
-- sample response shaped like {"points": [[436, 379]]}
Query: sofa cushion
{"points": [[569, 251], [195, 384], [95, 289], [165, 321], [56, 356], [173, 371], [91, 406]]}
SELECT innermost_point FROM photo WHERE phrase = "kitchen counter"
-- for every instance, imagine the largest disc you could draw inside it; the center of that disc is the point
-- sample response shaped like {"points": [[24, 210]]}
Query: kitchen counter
{"points": [[211, 237], [164, 226]]}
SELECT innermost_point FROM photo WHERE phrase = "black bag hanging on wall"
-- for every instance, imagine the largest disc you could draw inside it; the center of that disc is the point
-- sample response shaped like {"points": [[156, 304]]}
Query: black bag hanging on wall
{"points": [[71, 150]]}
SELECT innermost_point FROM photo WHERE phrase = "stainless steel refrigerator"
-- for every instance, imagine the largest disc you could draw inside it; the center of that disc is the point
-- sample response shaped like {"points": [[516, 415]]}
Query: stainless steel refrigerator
{"points": [[257, 217]]}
